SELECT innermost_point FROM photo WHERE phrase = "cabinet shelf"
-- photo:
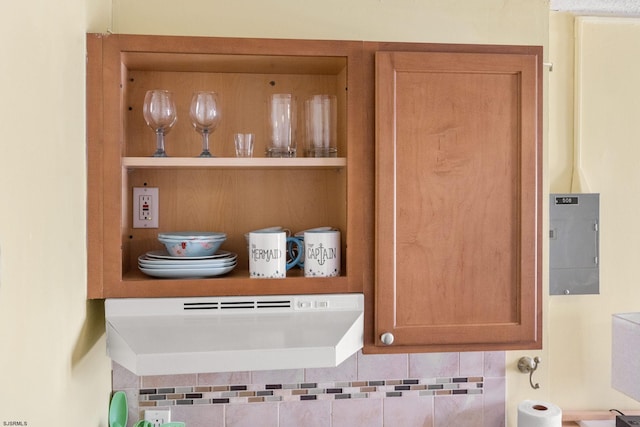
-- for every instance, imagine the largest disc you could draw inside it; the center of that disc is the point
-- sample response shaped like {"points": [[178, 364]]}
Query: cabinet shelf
{"points": [[136, 284], [233, 162]]}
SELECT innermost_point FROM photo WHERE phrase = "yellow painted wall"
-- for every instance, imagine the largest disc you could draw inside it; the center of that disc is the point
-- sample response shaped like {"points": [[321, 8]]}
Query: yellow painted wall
{"points": [[53, 368], [602, 98], [53, 371], [478, 21]]}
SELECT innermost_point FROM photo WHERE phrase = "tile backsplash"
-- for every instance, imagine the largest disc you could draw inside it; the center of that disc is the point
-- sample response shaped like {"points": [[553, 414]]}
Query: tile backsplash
{"points": [[425, 390]]}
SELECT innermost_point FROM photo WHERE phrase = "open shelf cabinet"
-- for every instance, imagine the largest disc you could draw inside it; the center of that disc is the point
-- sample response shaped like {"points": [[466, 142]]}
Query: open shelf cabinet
{"points": [[224, 193]]}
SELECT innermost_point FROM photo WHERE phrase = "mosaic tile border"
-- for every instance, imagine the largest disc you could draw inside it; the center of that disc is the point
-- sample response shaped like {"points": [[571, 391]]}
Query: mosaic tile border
{"points": [[252, 393]]}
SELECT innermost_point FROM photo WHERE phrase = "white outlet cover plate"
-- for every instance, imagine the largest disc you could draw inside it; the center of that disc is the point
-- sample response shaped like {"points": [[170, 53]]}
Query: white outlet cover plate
{"points": [[152, 220], [157, 416]]}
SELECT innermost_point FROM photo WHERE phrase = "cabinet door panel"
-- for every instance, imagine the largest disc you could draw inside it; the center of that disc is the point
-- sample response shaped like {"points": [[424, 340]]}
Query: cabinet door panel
{"points": [[457, 198]]}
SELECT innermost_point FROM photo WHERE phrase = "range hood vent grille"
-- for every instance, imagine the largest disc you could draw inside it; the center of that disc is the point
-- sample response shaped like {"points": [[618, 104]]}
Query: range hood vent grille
{"points": [[237, 305]]}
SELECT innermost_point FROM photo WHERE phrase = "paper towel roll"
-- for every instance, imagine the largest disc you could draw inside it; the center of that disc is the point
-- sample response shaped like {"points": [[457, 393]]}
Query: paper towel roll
{"points": [[532, 413]]}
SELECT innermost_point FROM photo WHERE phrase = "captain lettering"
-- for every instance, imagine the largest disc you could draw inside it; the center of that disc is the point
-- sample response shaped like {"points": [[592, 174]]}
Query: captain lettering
{"points": [[320, 253]]}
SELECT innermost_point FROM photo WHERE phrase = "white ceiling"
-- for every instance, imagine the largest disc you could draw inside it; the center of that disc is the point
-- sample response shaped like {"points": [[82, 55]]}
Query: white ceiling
{"points": [[598, 7]]}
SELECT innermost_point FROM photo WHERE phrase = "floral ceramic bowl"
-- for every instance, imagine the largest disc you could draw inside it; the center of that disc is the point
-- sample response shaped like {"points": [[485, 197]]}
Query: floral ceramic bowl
{"points": [[192, 244]]}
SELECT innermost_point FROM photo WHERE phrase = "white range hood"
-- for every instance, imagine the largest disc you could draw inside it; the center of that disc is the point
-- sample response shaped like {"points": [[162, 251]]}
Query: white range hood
{"points": [[160, 336]]}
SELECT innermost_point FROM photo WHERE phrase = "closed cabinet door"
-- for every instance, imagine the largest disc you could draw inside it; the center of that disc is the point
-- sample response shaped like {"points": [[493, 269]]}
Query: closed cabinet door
{"points": [[458, 200]]}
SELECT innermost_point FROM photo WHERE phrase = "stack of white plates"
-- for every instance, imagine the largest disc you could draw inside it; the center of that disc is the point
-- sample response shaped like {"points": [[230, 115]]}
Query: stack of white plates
{"points": [[161, 264]]}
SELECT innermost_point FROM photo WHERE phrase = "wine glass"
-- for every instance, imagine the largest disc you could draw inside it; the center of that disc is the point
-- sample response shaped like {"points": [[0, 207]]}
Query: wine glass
{"points": [[160, 114], [205, 115]]}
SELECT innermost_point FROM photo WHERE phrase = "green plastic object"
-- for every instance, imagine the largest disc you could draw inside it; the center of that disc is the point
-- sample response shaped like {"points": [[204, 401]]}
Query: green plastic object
{"points": [[143, 423], [173, 424], [118, 410]]}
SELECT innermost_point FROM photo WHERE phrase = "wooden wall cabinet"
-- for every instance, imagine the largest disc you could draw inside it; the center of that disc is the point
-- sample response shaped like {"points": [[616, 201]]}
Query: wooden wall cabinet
{"points": [[222, 193], [458, 198], [436, 187]]}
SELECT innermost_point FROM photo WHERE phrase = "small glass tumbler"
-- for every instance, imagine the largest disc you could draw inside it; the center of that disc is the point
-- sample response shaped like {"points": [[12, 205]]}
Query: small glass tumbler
{"points": [[244, 144]]}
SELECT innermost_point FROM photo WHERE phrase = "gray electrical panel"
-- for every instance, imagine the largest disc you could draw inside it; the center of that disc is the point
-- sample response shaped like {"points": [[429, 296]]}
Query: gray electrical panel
{"points": [[574, 244]]}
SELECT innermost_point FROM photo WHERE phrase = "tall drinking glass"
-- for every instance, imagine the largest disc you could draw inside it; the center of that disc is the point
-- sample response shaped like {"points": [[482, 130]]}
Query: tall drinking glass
{"points": [[282, 125], [320, 126]]}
